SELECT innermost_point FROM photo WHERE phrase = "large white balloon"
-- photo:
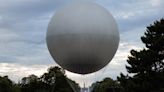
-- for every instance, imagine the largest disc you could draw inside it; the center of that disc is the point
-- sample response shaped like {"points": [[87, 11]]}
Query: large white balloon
{"points": [[82, 37]]}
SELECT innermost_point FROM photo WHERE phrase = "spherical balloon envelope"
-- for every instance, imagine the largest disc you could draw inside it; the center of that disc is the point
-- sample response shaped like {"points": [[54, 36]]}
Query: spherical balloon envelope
{"points": [[82, 37]]}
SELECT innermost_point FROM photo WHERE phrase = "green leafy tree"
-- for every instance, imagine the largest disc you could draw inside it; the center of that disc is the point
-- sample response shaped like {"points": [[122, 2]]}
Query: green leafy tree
{"points": [[106, 85], [54, 80], [146, 65], [58, 80], [32, 84], [6, 85]]}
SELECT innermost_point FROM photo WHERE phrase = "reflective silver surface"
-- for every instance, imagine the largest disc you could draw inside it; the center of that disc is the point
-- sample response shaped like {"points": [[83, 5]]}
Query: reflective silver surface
{"points": [[82, 37]]}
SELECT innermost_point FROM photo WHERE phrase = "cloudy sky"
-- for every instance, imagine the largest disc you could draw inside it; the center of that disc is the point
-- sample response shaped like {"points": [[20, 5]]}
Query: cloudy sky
{"points": [[23, 26]]}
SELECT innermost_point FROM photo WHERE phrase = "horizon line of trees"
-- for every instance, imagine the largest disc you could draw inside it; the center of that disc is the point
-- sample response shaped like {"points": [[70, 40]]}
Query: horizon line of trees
{"points": [[146, 66], [54, 80]]}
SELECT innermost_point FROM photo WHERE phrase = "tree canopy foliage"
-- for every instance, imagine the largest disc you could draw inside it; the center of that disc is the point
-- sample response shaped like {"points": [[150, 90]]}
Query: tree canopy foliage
{"points": [[146, 65], [6, 85], [54, 80], [107, 85]]}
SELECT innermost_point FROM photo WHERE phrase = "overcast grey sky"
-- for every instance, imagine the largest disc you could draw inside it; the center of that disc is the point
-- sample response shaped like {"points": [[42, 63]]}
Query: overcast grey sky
{"points": [[23, 26]]}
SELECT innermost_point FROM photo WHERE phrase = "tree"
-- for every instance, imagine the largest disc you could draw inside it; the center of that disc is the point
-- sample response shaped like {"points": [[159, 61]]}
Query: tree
{"points": [[6, 85], [54, 80], [147, 65], [107, 85], [57, 79], [32, 83]]}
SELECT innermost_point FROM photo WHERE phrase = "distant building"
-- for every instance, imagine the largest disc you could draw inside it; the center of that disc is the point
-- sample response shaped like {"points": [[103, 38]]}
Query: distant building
{"points": [[85, 89]]}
